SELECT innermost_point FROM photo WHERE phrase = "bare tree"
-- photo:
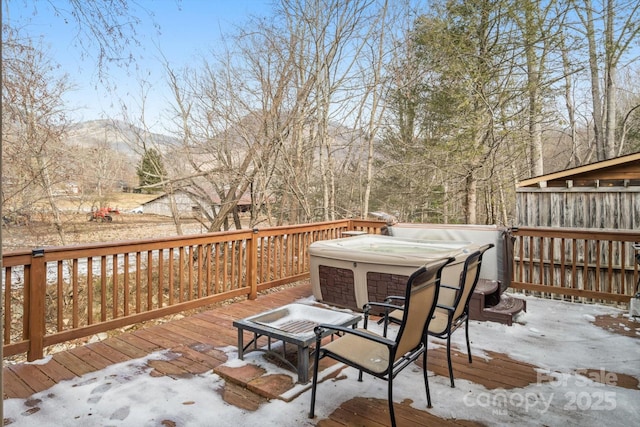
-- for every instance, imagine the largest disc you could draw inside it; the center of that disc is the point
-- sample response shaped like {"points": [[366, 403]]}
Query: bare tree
{"points": [[34, 123], [104, 29], [538, 37], [233, 120], [610, 32]]}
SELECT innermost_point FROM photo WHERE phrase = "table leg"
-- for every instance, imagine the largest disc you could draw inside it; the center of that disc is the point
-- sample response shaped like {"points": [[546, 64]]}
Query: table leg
{"points": [[303, 364], [240, 344]]}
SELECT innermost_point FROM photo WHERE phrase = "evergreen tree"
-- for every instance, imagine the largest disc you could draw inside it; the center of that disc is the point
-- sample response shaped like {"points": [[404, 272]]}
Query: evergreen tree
{"points": [[151, 171]]}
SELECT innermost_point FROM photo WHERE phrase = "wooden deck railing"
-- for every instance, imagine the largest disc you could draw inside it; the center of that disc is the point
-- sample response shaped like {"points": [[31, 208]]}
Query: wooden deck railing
{"points": [[591, 265], [55, 295], [59, 294]]}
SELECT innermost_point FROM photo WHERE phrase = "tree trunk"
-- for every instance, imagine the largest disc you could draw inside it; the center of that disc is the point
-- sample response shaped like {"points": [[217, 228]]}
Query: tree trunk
{"points": [[596, 99], [530, 32], [610, 86], [471, 199]]}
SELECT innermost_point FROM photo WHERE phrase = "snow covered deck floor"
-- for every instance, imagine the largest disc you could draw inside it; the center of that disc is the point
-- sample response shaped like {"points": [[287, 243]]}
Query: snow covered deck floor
{"points": [[560, 363]]}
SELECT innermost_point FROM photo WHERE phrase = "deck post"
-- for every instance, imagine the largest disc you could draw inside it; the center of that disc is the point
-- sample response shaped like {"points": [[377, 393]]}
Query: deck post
{"points": [[37, 292], [252, 264]]}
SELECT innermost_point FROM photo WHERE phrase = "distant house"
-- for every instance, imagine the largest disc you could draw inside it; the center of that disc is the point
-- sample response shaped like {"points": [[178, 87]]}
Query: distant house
{"points": [[599, 195], [190, 205]]}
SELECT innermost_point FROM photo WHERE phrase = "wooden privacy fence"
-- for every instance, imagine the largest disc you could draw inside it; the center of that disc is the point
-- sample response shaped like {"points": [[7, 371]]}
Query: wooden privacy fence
{"points": [[593, 265], [55, 295]]}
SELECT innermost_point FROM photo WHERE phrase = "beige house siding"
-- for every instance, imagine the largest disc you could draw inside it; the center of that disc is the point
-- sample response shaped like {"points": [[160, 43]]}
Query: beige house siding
{"points": [[184, 204]]}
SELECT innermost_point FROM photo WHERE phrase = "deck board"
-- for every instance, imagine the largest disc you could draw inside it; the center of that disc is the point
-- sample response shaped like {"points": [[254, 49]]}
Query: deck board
{"points": [[91, 357], [133, 345], [14, 386], [164, 338], [513, 374], [194, 334], [56, 371], [73, 363], [32, 376], [114, 355]]}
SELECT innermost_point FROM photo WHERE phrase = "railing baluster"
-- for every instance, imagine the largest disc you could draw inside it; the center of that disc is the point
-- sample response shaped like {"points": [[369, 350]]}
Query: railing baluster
{"points": [[181, 272], [7, 306], [541, 263], [138, 283], [75, 302], [60, 294], [596, 273], [160, 278], [170, 276], [216, 255], [574, 264], [89, 291], [623, 285], [209, 272], [563, 261], [103, 288], [233, 279], [125, 290], [149, 280], [190, 272], [114, 272]]}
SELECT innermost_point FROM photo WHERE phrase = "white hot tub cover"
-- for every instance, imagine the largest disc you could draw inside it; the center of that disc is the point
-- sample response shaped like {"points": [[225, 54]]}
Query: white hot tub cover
{"points": [[389, 250]]}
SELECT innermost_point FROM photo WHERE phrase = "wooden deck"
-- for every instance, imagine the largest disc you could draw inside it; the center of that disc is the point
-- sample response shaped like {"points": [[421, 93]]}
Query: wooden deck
{"points": [[196, 341]]}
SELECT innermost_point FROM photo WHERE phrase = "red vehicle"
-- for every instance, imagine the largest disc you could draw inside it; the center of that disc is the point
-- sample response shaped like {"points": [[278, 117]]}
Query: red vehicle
{"points": [[103, 214]]}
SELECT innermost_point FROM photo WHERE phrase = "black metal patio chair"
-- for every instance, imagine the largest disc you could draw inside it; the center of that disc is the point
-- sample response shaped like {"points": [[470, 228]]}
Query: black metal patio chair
{"points": [[452, 309], [380, 356]]}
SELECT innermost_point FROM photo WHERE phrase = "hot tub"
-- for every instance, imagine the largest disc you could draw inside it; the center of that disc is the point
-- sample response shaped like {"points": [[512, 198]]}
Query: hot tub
{"points": [[352, 271]]}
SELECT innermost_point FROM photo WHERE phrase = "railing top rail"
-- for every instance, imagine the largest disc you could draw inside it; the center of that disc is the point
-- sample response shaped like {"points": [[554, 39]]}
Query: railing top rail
{"points": [[116, 248], [54, 253], [12, 259], [301, 228], [578, 233]]}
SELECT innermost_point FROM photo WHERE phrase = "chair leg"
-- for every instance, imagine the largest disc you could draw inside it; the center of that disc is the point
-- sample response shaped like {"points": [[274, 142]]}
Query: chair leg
{"points": [[315, 381], [426, 377], [391, 412], [449, 360], [466, 329]]}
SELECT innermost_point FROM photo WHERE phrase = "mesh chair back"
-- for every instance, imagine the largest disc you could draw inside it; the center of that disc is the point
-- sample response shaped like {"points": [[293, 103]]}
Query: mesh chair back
{"points": [[468, 281], [420, 300], [452, 276]]}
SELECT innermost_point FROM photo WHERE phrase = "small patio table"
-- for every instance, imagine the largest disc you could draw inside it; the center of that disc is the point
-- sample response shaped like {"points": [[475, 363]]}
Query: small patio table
{"points": [[294, 324]]}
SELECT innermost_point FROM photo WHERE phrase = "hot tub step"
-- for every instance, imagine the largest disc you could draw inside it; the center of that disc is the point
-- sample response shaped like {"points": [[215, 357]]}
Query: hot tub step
{"points": [[487, 292], [503, 312]]}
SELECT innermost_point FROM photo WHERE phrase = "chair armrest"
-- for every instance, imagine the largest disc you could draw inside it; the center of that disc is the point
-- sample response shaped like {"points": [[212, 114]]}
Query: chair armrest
{"points": [[385, 315], [321, 329], [455, 288], [387, 308], [391, 298], [382, 304], [446, 307]]}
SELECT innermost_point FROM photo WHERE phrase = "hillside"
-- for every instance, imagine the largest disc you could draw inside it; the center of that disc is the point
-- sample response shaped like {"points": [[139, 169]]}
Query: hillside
{"points": [[115, 135]]}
